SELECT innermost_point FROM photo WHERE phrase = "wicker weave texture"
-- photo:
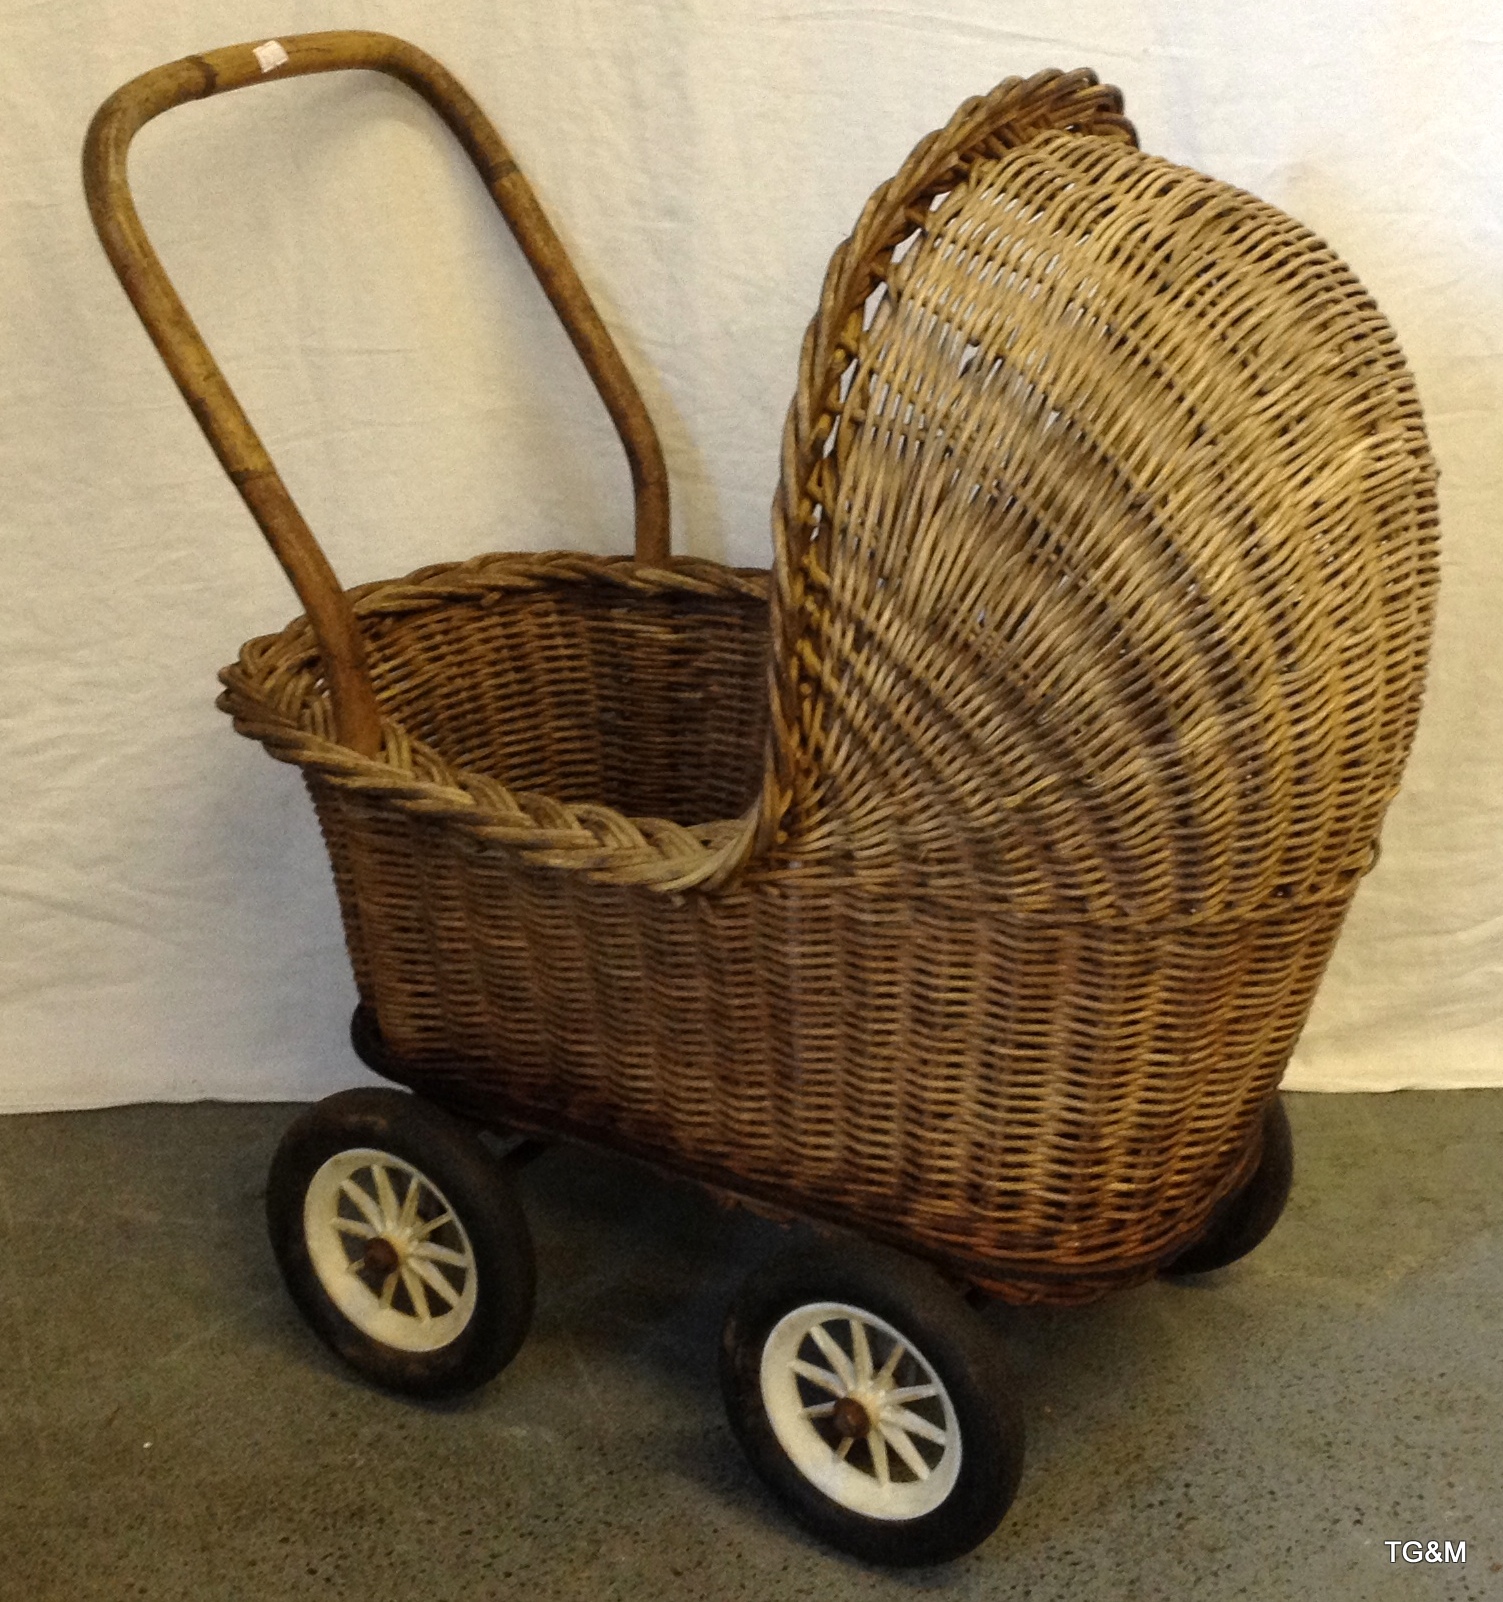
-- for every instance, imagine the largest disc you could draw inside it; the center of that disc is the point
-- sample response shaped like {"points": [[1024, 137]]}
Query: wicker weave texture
{"points": [[1050, 1109], [970, 883], [1120, 590]]}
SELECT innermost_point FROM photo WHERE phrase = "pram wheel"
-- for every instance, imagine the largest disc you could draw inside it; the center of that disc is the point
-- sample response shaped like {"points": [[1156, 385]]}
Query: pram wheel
{"points": [[873, 1402], [1246, 1218], [401, 1241]]}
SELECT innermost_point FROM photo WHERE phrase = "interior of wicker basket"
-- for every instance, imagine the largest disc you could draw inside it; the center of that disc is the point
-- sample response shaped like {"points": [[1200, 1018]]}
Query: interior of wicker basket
{"points": [[654, 704]]}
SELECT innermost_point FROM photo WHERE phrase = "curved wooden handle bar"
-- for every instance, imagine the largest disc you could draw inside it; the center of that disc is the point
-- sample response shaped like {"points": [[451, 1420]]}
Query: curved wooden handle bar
{"points": [[210, 398]]}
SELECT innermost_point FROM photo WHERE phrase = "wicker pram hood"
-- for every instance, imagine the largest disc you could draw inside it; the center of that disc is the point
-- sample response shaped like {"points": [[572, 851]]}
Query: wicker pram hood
{"points": [[1113, 581]]}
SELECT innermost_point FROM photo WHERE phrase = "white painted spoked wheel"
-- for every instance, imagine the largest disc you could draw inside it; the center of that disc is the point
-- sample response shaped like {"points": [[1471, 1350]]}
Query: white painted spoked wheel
{"points": [[874, 1402], [401, 1241], [860, 1411], [389, 1250]]}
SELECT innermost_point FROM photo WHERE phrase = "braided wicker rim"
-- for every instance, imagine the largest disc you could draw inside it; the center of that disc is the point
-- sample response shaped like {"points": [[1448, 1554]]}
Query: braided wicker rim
{"points": [[276, 693]]}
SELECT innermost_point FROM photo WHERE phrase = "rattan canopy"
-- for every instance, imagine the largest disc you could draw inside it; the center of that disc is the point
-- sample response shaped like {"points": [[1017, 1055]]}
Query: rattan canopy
{"points": [[1106, 568]]}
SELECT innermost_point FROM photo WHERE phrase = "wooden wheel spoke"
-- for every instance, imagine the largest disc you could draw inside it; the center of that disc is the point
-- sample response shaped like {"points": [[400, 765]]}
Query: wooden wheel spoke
{"points": [[878, 1446], [890, 1367], [861, 1349], [369, 1211], [408, 1215], [428, 1226], [819, 1376], [827, 1343], [414, 1288], [426, 1251], [431, 1277], [386, 1197], [904, 1419], [900, 1443]]}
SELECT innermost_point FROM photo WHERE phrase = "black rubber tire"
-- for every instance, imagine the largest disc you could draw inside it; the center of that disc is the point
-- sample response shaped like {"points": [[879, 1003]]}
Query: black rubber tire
{"points": [[955, 1344], [481, 1195], [365, 1037], [1246, 1218]]}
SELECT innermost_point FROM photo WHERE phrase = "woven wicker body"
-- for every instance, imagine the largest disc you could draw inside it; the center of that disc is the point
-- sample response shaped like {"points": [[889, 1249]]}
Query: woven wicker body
{"points": [[1052, 1102], [968, 880]]}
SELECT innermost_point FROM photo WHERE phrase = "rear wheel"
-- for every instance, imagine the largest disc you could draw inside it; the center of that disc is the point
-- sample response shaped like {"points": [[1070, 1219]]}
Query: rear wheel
{"points": [[1246, 1218], [401, 1242], [873, 1402]]}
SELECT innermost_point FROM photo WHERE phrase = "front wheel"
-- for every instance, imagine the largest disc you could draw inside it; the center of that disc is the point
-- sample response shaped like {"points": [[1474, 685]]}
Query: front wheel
{"points": [[401, 1242], [873, 1402]]}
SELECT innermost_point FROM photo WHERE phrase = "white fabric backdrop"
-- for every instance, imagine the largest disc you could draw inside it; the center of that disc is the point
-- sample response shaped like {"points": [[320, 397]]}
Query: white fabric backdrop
{"points": [[169, 928]]}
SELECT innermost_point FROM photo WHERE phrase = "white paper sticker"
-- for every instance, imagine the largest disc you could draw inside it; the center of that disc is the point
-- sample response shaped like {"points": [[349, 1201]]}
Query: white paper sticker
{"points": [[271, 55]]}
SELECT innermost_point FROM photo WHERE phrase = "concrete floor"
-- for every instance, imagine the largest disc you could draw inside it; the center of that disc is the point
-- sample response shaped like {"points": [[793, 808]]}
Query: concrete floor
{"points": [[172, 1432]]}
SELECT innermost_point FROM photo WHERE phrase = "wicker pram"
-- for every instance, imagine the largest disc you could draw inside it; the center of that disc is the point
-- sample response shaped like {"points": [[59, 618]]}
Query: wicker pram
{"points": [[966, 882]]}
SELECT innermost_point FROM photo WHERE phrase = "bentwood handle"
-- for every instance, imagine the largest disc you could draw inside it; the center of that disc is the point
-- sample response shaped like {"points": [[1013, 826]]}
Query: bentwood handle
{"points": [[210, 398]]}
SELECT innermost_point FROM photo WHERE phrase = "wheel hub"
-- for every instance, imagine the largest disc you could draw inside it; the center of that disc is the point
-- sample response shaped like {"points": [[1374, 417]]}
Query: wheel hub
{"points": [[382, 1257], [851, 1418]]}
